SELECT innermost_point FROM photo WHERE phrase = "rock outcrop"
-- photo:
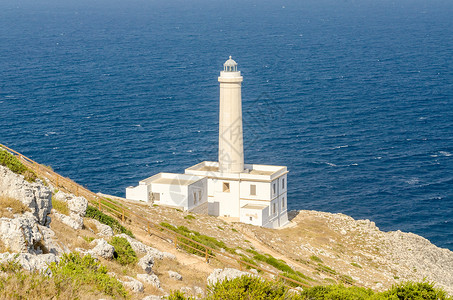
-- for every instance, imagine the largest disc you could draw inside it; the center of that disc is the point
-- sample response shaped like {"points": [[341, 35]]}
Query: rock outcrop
{"points": [[227, 273], [133, 284], [30, 262], [77, 209], [146, 263], [35, 195], [102, 249], [151, 279], [103, 230], [174, 275]]}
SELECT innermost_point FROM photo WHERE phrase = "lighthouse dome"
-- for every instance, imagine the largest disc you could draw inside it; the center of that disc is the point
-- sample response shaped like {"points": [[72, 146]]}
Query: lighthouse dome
{"points": [[230, 65]]}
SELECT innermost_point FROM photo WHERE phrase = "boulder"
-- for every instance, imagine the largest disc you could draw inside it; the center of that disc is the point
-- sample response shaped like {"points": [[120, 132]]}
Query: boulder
{"points": [[50, 243], [175, 275], [102, 249], [133, 284], [30, 262], [149, 279], [198, 291], [153, 297], [103, 230], [74, 221], [35, 195], [227, 273], [20, 234], [78, 206], [146, 263]]}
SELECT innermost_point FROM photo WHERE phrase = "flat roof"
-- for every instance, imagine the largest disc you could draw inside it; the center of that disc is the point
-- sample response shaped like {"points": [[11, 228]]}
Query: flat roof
{"points": [[254, 206], [249, 169], [261, 172], [172, 178], [174, 181]]}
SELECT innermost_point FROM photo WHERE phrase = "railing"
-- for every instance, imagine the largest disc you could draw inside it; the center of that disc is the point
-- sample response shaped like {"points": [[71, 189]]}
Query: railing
{"points": [[123, 213]]}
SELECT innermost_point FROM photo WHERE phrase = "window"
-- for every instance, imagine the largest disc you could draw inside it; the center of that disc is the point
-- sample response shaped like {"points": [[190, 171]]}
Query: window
{"points": [[194, 197], [251, 218], [156, 196], [273, 188], [274, 206], [226, 187], [199, 196], [283, 202], [253, 189], [283, 183]]}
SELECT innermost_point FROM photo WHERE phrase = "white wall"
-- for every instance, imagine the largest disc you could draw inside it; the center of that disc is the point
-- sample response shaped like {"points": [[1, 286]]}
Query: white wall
{"points": [[137, 193], [262, 190], [227, 202], [199, 186], [172, 195], [252, 216]]}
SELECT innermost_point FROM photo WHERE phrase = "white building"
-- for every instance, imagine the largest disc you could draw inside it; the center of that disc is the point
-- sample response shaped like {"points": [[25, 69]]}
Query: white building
{"points": [[188, 192], [253, 194]]}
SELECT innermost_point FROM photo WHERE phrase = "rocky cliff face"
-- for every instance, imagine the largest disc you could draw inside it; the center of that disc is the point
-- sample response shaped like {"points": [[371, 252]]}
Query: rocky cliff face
{"points": [[35, 195]]}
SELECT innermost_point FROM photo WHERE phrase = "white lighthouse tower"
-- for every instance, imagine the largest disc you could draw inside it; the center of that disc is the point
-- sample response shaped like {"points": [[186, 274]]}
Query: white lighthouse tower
{"points": [[231, 149], [249, 193]]}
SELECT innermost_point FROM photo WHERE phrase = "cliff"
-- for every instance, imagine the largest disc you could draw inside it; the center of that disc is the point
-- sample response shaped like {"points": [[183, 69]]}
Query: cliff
{"points": [[316, 248]]}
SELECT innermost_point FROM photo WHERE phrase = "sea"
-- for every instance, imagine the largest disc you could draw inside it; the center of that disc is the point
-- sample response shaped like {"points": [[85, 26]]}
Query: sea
{"points": [[355, 97]]}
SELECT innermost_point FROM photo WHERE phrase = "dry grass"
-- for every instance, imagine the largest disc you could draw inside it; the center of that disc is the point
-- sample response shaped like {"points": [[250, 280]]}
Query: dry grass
{"points": [[10, 206], [191, 275], [60, 206], [70, 237], [35, 286], [88, 223]]}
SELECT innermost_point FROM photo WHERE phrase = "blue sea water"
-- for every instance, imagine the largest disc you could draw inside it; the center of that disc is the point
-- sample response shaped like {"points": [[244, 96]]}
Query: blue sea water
{"points": [[355, 97]]}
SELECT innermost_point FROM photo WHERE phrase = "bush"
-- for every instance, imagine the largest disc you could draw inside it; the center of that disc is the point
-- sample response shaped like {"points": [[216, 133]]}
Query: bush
{"points": [[247, 287], [414, 291], [11, 162], [178, 295], [86, 270], [96, 214], [74, 277], [124, 253], [339, 292], [192, 247]]}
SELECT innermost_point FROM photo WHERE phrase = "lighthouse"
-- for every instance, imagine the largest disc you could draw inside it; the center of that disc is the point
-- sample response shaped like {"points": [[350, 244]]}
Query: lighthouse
{"points": [[250, 193], [231, 149]]}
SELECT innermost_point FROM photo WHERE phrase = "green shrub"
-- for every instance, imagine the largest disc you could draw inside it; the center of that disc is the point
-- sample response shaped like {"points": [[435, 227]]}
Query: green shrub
{"points": [[178, 295], [86, 271], [96, 214], [316, 259], [338, 292], [326, 269], [247, 287], [189, 217], [196, 236], [356, 265], [124, 254], [414, 291], [11, 162]]}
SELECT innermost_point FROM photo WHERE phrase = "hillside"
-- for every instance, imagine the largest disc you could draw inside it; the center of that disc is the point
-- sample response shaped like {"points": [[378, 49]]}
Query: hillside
{"points": [[41, 221]]}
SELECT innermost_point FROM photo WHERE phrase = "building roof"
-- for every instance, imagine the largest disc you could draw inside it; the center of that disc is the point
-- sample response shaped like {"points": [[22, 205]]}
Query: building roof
{"points": [[172, 179], [230, 63], [251, 172], [254, 206]]}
